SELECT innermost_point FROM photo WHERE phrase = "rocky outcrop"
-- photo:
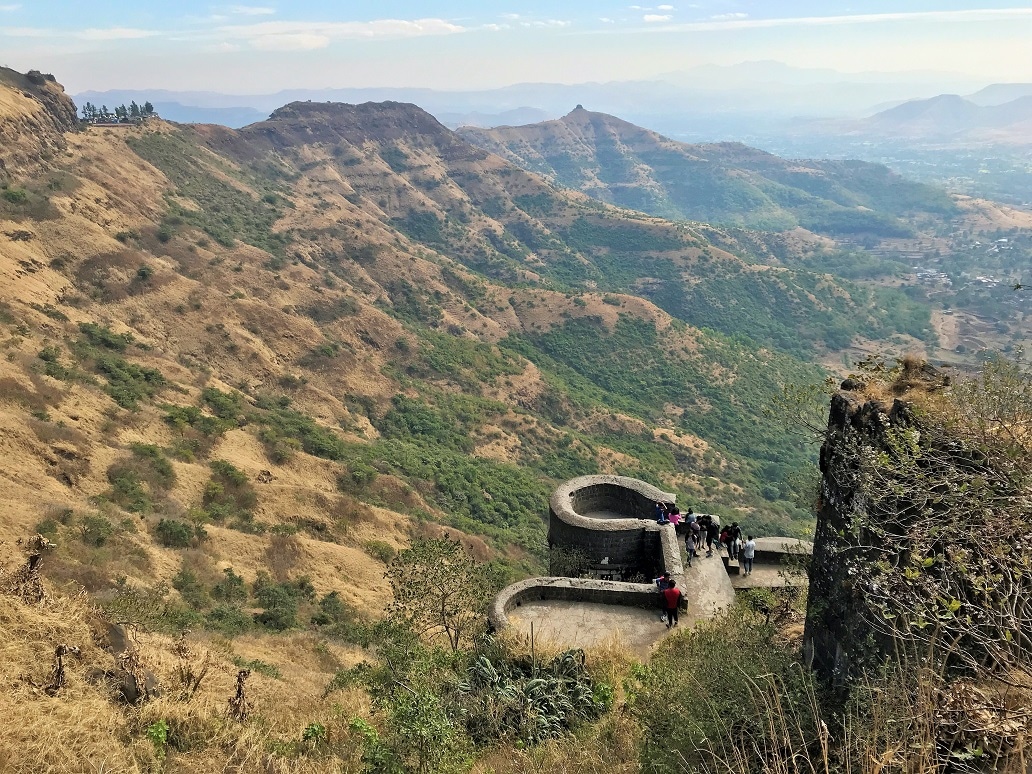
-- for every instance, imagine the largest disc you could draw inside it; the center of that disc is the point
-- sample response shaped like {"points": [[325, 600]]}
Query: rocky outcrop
{"points": [[35, 113], [835, 635], [921, 548]]}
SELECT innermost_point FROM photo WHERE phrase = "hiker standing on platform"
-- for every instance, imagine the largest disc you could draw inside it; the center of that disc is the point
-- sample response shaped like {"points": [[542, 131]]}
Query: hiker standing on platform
{"points": [[671, 599], [663, 582], [748, 554], [693, 540]]}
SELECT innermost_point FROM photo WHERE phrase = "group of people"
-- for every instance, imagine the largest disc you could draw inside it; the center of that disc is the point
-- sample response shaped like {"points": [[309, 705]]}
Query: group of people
{"points": [[668, 513], [705, 528]]}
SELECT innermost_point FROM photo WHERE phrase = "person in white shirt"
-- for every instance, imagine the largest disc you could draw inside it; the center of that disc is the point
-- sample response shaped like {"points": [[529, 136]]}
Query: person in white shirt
{"points": [[748, 554]]}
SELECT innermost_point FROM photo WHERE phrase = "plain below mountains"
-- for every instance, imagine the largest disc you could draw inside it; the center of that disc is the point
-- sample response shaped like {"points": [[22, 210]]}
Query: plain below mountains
{"points": [[724, 183]]}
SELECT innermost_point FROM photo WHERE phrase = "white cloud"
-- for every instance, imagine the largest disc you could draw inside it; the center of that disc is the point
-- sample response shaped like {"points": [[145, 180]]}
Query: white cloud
{"points": [[607, 20], [653, 18], [511, 16], [9, 7], [307, 36], [252, 10], [729, 16], [972, 15], [665, 8], [96, 34], [114, 33], [546, 23]]}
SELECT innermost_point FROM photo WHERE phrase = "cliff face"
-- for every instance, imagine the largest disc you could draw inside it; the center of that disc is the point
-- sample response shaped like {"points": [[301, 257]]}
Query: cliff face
{"points": [[922, 547], [836, 636], [34, 115]]}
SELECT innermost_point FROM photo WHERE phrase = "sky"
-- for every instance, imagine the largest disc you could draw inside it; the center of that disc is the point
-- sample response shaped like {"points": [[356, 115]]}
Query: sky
{"points": [[262, 47]]}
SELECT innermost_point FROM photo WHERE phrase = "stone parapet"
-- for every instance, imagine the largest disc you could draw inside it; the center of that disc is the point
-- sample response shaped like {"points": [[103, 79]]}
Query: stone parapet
{"points": [[771, 550], [642, 595]]}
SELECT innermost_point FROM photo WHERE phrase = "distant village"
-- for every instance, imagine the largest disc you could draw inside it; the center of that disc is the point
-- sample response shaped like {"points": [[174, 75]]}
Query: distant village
{"points": [[133, 114]]}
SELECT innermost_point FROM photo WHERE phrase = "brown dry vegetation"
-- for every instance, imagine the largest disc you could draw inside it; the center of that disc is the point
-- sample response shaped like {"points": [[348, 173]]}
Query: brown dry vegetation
{"points": [[83, 728]]}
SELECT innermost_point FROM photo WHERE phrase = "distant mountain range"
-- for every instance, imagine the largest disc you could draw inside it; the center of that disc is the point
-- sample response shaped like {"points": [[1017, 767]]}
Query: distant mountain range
{"points": [[998, 115], [707, 102], [950, 117], [727, 183]]}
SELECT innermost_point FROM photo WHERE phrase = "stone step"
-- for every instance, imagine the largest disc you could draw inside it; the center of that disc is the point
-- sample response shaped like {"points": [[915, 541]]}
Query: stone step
{"points": [[732, 566]]}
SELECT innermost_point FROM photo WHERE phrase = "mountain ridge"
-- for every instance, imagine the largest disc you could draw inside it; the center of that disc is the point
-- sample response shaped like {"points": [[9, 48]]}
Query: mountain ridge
{"points": [[724, 183]]}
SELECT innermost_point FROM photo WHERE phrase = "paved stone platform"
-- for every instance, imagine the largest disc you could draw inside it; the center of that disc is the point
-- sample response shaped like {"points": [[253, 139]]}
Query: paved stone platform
{"points": [[589, 624], [706, 586], [764, 576]]}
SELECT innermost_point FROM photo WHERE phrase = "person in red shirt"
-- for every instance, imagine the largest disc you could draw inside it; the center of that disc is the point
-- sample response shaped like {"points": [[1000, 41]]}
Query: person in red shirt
{"points": [[671, 600]]}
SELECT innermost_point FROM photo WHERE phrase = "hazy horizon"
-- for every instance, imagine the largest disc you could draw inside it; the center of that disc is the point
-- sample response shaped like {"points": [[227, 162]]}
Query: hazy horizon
{"points": [[459, 45]]}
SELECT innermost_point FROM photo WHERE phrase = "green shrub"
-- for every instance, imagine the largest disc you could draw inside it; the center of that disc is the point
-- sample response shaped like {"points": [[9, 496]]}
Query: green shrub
{"points": [[190, 588], [127, 489], [379, 550], [104, 337], [228, 620], [129, 383], [229, 494], [95, 530], [173, 533], [231, 589], [138, 480], [225, 405], [280, 601], [16, 195], [47, 527], [691, 716], [285, 423]]}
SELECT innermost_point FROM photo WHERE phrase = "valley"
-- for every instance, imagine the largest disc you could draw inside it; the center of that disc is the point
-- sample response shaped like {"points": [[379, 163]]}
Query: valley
{"points": [[246, 369]]}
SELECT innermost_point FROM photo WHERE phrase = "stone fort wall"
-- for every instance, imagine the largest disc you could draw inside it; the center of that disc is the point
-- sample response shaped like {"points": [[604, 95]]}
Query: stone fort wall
{"points": [[635, 540], [625, 531]]}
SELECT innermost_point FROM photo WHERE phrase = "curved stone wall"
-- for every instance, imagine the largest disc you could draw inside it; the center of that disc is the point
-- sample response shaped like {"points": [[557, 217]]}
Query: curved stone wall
{"points": [[569, 589], [634, 540]]}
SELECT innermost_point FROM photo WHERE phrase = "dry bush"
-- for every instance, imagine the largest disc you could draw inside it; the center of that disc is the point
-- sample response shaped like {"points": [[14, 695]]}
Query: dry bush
{"points": [[188, 729], [46, 390], [201, 565], [75, 564], [25, 582], [49, 433], [282, 556], [115, 276], [390, 489], [14, 391], [345, 510], [428, 530], [610, 745], [72, 731]]}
